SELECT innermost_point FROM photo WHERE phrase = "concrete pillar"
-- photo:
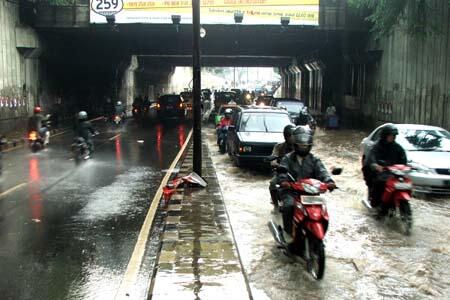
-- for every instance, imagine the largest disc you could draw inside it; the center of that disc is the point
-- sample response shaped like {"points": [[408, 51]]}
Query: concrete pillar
{"points": [[127, 88], [19, 67]]}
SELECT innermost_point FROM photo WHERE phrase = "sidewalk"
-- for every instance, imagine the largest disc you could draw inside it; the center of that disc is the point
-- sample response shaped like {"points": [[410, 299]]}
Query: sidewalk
{"points": [[198, 258]]}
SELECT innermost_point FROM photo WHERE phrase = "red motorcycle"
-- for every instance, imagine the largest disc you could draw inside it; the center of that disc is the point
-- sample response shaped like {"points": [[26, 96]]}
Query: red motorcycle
{"points": [[310, 224], [397, 194]]}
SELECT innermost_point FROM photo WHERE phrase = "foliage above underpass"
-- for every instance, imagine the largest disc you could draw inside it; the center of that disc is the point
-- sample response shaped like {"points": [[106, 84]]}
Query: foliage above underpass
{"points": [[416, 17]]}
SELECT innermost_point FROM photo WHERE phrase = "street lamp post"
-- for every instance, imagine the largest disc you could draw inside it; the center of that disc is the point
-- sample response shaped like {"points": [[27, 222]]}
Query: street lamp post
{"points": [[197, 160]]}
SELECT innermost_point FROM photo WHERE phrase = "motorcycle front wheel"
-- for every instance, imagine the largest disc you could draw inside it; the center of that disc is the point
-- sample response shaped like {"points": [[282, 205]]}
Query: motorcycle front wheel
{"points": [[316, 263], [406, 216]]}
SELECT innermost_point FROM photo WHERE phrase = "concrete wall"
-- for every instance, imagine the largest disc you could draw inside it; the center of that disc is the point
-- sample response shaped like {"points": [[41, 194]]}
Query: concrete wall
{"points": [[18, 67], [411, 83]]}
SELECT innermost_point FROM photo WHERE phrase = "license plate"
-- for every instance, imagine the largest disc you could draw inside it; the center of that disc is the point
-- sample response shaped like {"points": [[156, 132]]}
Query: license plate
{"points": [[313, 200], [169, 106]]}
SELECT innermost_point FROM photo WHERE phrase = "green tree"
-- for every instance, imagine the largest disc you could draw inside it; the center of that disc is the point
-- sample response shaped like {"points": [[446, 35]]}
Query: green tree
{"points": [[417, 17]]}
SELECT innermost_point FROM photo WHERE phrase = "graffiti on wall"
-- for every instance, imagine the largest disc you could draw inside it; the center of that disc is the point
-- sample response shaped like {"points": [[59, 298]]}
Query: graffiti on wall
{"points": [[13, 103]]}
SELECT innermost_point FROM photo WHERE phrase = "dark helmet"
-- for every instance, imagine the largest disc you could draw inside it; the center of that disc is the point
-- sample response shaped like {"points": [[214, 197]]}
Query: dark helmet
{"points": [[303, 140], [287, 131], [387, 130], [37, 109]]}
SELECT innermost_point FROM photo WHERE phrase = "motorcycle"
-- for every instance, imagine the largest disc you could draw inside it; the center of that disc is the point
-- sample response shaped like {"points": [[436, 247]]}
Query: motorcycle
{"points": [[397, 194], [222, 139], [136, 112], [36, 141], [310, 223], [81, 150]]}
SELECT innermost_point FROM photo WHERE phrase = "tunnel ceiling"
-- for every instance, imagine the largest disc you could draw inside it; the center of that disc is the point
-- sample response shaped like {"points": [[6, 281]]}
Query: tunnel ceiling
{"points": [[162, 44]]}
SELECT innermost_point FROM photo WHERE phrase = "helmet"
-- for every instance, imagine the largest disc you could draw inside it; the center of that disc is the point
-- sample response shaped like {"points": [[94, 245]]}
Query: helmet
{"points": [[82, 115], [228, 112], [389, 129], [37, 109], [287, 131], [303, 140]]}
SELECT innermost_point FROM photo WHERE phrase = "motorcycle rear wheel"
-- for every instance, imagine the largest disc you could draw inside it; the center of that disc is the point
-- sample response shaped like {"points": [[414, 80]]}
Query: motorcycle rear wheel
{"points": [[316, 263], [35, 147], [222, 146], [406, 216]]}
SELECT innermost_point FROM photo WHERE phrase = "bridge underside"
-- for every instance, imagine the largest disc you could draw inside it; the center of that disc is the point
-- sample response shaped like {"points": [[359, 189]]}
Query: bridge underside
{"points": [[99, 61]]}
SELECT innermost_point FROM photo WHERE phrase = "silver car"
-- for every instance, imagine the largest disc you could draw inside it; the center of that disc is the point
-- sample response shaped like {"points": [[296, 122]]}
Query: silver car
{"points": [[428, 152]]}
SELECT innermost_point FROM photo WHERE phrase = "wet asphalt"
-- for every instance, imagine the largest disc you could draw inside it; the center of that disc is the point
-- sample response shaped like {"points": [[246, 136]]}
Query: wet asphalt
{"points": [[67, 231]]}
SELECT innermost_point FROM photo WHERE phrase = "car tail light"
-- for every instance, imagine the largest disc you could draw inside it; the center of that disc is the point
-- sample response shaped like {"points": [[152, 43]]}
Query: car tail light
{"points": [[181, 105], [158, 106], [245, 149]]}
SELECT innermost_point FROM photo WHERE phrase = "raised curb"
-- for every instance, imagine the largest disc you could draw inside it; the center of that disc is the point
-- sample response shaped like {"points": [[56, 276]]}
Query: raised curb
{"points": [[199, 257]]}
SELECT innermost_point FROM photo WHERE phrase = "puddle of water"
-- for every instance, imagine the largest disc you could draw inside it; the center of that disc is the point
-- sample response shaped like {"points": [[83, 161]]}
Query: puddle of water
{"points": [[366, 259]]}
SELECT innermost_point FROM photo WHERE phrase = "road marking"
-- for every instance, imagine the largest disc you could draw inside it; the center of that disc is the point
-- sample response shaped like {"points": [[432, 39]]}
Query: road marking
{"points": [[61, 133], [12, 149], [114, 137], [130, 276], [17, 187]]}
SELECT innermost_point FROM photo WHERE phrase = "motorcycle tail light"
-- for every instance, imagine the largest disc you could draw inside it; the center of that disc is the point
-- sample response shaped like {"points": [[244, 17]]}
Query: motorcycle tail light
{"points": [[33, 135]]}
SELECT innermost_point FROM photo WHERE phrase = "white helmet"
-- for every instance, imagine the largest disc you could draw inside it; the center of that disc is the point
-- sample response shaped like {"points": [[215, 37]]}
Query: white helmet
{"points": [[82, 115]]}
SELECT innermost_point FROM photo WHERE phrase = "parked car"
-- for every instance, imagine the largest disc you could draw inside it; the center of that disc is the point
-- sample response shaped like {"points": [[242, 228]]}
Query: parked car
{"points": [[428, 152], [254, 131], [292, 105], [170, 106]]}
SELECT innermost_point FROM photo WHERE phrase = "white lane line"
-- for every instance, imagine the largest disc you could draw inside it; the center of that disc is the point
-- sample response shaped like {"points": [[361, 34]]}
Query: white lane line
{"points": [[13, 189], [130, 276], [114, 137]]}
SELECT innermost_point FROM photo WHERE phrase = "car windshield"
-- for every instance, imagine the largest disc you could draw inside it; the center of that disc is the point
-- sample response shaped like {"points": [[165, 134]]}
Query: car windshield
{"points": [[264, 122], [291, 106], [226, 96], [170, 99], [424, 140]]}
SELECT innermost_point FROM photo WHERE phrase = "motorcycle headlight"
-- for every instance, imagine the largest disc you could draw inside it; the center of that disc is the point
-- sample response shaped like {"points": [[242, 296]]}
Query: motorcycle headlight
{"points": [[421, 168]]}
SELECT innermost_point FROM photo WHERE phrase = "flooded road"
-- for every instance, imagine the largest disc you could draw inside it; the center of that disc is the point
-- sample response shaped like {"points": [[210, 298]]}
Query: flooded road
{"points": [[366, 259], [68, 232]]}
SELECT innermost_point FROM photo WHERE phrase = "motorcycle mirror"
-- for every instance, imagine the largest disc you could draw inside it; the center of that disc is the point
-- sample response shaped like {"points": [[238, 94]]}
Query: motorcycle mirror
{"points": [[270, 158], [336, 171]]}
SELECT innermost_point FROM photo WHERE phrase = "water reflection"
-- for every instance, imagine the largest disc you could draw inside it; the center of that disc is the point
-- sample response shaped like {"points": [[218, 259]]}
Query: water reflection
{"points": [[119, 163], [159, 137], [34, 190], [181, 134]]}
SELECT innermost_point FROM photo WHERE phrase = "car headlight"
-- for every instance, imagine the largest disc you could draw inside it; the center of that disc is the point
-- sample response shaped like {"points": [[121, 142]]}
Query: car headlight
{"points": [[421, 168]]}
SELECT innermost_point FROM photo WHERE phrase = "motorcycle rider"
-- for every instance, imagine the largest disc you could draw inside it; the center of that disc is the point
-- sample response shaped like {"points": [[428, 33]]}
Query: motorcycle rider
{"points": [[85, 130], [37, 122], [223, 124], [280, 150], [300, 163], [386, 152]]}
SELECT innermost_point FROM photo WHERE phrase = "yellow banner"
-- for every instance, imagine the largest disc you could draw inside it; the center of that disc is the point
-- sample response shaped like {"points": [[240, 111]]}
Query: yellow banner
{"points": [[167, 4]]}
